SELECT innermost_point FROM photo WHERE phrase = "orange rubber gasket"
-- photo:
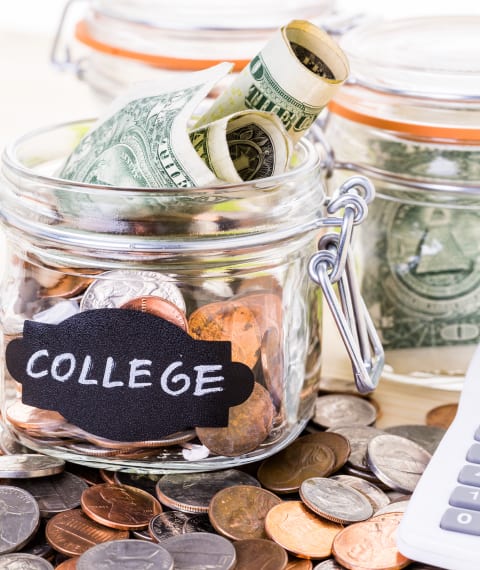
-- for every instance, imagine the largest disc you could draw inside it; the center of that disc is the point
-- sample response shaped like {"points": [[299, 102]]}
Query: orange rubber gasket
{"points": [[427, 131], [166, 62]]}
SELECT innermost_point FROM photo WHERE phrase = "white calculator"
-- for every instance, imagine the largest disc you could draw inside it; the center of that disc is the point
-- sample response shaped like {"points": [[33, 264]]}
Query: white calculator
{"points": [[442, 523]]}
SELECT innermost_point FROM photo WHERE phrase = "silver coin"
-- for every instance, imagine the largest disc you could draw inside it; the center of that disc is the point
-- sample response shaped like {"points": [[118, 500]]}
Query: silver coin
{"points": [[198, 523], [343, 409], [374, 494], [427, 437], [55, 494], [9, 443], [19, 518], [329, 564], [27, 465], [23, 561], [334, 500], [397, 507], [143, 535], [126, 555], [396, 461], [358, 436], [167, 524], [366, 476], [192, 492], [113, 289], [201, 550]]}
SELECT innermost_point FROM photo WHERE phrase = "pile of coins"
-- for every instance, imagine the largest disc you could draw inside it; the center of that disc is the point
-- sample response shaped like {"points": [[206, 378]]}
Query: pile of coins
{"points": [[331, 500]]}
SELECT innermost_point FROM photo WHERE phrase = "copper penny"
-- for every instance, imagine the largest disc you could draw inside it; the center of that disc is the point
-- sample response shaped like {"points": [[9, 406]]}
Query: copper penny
{"points": [[249, 424], [229, 321], [120, 506], [259, 553], [299, 564], [294, 527], [285, 471], [271, 357], [266, 307], [66, 287], [160, 308], [107, 476], [338, 443], [73, 532], [239, 512], [442, 416], [28, 417], [370, 545], [70, 564]]}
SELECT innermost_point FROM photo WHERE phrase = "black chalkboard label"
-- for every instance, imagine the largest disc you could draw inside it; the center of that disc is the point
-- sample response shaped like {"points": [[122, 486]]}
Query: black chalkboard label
{"points": [[127, 375]]}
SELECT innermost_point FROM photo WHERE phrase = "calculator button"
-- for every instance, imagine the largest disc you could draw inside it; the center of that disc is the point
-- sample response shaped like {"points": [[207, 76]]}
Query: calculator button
{"points": [[458, 520], [473, 454], [477, 434], [470, 475], [466, 498]]}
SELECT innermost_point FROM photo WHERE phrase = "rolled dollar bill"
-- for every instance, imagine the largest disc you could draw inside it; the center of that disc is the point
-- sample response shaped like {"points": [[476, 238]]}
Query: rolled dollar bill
{"points": [[143, 140], [244, 146], [294, 76]]}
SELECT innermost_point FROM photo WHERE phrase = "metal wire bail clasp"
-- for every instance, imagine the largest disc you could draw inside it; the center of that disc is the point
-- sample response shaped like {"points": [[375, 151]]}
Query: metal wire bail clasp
{"points": [[332, 265]]}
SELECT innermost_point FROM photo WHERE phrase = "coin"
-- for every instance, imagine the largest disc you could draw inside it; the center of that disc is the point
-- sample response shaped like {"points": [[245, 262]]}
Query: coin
{"points": [[112, 289], [201, 550], [69, 564], [358, 437], [427, 437], [73, 532], [28, 417], [192, 492], [160, 308], [120, 506], [294, 527], [249, 425], [232, 322], [370, 545], [442, 416], [29, 465], [198, 523], [138, 554], [9, 443], [338, 443], [146, 482], [396, 461], [396, 507], [19, 518], [299, 564], [169, 523], [24, 561], [271, 357], [378, 499], [259, 553], [239, 512], [66, 286], [266, 306], [343, 409], [335, 501], [329, 564], [304, 458]]}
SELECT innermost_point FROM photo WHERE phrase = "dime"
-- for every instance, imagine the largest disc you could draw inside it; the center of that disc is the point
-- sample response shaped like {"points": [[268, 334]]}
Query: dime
{"points": [[29, 465], [343, 409], [24, 561], [160, 308], [378, 499], [192, 492], [120, 506], [113, 289], [198, 523], [396, 461], [239, 512], [259, 553], [72, 532], [329, 564], [55, 494], [427, 437], [137, 554], [442, 416], [370, 545], [294, 527], [304, 458], [201, 550], [228, 321], [19, 518], [358, 437], [335, 501], [169, 523], [249, 425]]}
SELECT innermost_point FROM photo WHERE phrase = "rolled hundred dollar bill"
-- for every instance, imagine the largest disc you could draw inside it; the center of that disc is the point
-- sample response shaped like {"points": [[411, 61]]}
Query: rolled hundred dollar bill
{"points": [[294, 76]]}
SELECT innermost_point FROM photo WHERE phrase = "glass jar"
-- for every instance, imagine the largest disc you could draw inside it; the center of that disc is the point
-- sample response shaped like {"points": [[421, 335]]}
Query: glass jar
{"points": [[410, 120], [119, 42], [132, 316]]}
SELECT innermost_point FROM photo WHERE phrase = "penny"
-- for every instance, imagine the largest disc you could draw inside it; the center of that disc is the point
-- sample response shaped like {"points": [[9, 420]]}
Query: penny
{"points": [[299, 564], [442, 416], [121, 554], [24, 416], [239, 512], [232, 322], [23, 561], [19, 518], [73, 532], [67, 286], [335, 501], [358, 437], [396, 461], [259, 553], [107, 476], [29, 465], [370, 545], [112, 289], [169, 523], [378, 499], [198, 523], [338, 443], [249, 425], [120, 506], [343, 409], [271, 357], [54, 494], [294, 527], [69, 564], [427, 437], [160, 308], [266, 307], [192, 492], [304, 458], [201, 550]]}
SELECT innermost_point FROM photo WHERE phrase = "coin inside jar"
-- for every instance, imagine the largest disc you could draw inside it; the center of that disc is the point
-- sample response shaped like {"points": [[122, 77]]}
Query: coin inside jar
{"points": [[159, 307]]}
